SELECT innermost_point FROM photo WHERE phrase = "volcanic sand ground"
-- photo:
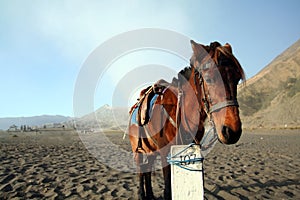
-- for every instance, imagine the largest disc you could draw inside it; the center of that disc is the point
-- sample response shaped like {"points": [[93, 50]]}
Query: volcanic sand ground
{"points": [[264, 164]]}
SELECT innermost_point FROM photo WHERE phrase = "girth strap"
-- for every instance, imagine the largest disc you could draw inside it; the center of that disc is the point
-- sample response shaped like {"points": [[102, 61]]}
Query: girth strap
{"points": [[223, 104]]}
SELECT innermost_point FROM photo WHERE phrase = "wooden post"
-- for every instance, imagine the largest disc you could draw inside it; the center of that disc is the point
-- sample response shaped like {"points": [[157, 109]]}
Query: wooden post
{"points": [[186, 172]]}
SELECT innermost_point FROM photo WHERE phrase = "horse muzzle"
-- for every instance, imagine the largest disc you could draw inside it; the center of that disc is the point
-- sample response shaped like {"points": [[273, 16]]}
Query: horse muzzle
{"points": [[230, 136]]}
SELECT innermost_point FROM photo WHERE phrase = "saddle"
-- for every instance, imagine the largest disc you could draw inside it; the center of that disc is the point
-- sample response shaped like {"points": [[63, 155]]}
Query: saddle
{"points": [[147, 99]]}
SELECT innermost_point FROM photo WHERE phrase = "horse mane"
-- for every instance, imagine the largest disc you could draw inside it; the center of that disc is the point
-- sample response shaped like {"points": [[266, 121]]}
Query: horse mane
{"points": [[182, 76], [186, 72], [215, 48], [213, 51], [230, 56]]}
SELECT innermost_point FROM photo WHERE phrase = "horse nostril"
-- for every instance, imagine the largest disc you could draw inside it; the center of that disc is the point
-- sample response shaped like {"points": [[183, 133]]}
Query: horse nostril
{"points": [[230, 136], [226, 132]]}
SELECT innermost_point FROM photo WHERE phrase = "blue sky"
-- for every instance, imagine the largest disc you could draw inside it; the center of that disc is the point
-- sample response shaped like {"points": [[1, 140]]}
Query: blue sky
{"points": [[43, 44]]}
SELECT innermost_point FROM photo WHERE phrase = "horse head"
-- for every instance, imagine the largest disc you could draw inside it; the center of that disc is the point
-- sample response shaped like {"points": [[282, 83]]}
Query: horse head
{"points": [[219, 74]]}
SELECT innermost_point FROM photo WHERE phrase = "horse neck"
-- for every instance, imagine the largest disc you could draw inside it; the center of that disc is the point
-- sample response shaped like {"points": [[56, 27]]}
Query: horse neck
{"points": [[192, 110], [193, 91]]}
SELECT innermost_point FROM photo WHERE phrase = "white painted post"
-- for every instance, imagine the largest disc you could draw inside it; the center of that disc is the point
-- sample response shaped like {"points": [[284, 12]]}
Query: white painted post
{"points": [[186, 175]]}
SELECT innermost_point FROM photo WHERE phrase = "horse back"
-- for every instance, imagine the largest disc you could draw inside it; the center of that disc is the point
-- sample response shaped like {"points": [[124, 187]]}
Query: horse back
{"points": [[142, 110]]}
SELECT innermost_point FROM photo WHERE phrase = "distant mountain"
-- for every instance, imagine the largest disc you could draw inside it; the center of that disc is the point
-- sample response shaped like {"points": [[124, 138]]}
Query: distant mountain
{"points": [[106, 118], [271, 98], [5, 123]]}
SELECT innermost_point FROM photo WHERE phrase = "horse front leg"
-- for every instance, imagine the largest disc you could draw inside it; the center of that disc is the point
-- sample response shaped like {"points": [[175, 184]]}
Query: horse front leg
{"points": [[148, 181], [141, 176], [141, 190], [144, 174], [167, 179], [148, 185], [145, 183]]}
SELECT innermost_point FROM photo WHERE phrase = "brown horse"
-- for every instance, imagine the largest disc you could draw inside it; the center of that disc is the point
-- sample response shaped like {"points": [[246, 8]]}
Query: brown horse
{"points": [[206, 89]]}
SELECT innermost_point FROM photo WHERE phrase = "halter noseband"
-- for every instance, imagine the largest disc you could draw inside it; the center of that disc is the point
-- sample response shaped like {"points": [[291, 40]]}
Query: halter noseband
{"points": [[223, 104]]}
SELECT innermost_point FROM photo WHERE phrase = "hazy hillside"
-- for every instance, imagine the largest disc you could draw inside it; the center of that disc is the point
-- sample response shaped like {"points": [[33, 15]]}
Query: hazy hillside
{"points": [[5, 123], [271, 98], [105, 117]]}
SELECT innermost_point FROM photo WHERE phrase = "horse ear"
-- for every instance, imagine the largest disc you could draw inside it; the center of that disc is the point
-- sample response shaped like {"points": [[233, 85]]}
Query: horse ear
{"points": [[194, 47], [228, 47], [198, 48]]}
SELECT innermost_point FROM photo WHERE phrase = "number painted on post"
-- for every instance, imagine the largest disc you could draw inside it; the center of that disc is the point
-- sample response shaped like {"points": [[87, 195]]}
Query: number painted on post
{"points": [[187, 159]]}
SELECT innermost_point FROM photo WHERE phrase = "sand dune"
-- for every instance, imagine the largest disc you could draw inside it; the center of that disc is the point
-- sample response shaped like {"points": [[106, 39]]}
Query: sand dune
{"points": [[56, 165]]}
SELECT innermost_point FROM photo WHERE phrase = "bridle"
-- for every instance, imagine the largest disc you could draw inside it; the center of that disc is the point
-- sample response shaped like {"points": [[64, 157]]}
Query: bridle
{"points": [[203, 95], [208, 107]]}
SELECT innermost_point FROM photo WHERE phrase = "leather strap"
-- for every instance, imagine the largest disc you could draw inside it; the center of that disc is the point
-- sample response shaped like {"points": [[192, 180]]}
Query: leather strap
{"points": [[223, 104]]}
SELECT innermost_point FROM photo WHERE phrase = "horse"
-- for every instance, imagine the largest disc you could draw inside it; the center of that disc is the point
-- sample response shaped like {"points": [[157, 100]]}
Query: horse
{"points": [[207, 89]]}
